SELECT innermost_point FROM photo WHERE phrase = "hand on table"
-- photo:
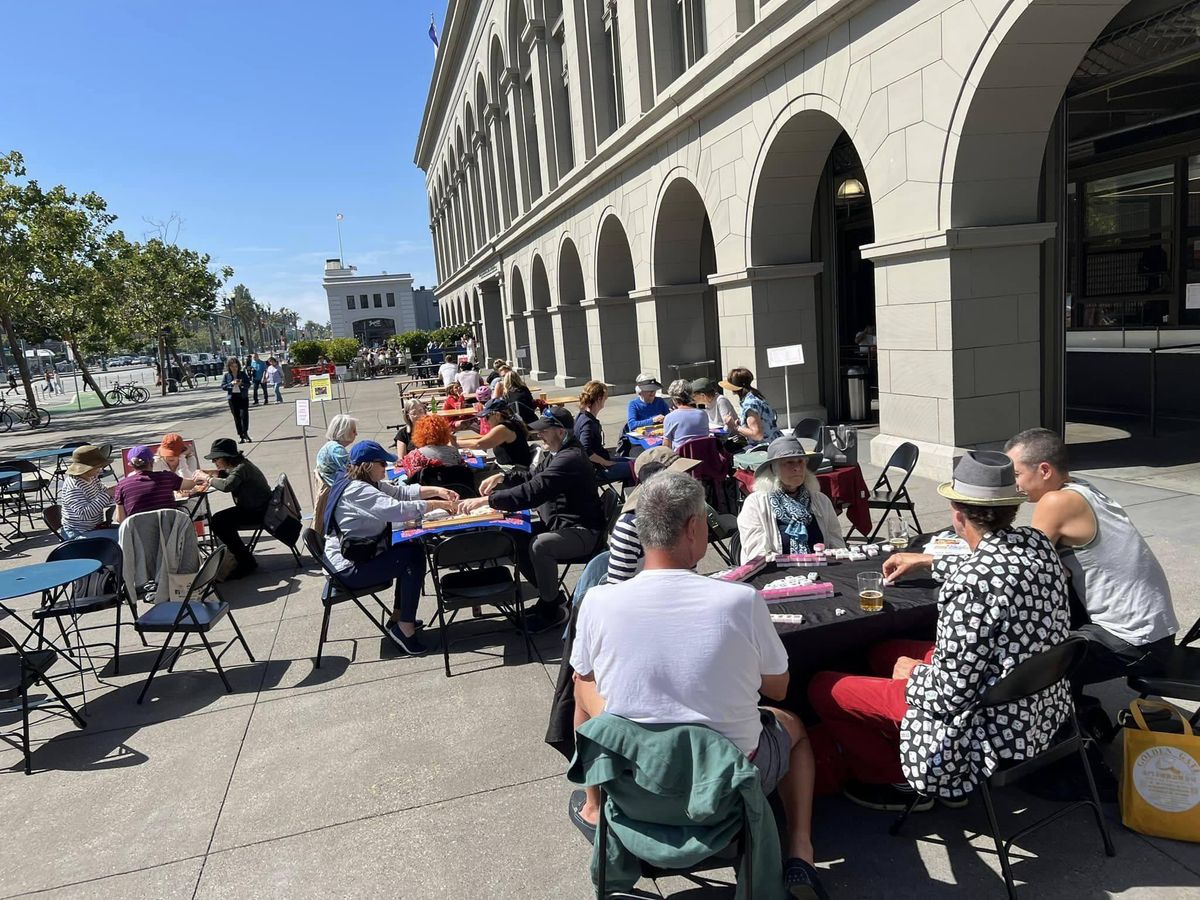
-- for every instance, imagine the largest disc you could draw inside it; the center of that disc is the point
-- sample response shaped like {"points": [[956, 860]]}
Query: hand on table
{"points": [[466, 507], [657, 420], [489, 484], [438, 493], [898, 565], [904, 667], [450, 506]]}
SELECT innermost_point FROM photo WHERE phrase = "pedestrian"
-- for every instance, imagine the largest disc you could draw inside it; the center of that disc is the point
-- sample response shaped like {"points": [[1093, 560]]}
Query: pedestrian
{"points": [[275, 378], [48, 388], [237, 384], [12, 382], [258, 373]]}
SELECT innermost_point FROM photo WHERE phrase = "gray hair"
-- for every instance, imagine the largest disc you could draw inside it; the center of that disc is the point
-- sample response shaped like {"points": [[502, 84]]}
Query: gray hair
{"points": [[680, 392], [340, 428], [768, 481], [1040, 445], [665, 503]]}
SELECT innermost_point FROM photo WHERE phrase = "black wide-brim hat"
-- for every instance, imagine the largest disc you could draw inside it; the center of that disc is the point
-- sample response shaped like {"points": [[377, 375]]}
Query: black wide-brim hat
{"points": [[223, 448]]}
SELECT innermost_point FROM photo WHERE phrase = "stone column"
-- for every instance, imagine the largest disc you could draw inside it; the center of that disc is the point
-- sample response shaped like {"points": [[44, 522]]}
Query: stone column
{"points": [[510, 83], [958, 315], [534, 38], [543, 365], [611, 324], [569, 329], [773, 306], [501, 164], [674, 328], [493, 322], [463, 197], [486, 172]]}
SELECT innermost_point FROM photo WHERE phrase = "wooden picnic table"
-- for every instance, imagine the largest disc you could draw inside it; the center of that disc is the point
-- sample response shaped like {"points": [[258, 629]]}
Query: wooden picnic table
{"points": [[455, 413], [562, 400]]}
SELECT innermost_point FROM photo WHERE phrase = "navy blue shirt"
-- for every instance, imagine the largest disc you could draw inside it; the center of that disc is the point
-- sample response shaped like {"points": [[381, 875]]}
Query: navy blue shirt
{"points": [[590, 435]]}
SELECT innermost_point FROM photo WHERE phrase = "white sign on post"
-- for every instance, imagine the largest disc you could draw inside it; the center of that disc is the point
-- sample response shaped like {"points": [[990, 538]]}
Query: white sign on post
{"points": [[302, 412], [782, 357]]}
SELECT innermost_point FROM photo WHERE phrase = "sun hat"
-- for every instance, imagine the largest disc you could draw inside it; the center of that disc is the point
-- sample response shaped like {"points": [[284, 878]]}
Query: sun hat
{"points": [[787, 448], [647, 382], [172, 445], [89, 457], [705, 386], [224, 448], [668, 460], [734, 382], [553, 417], [983, 478], [142, 454], [370, 451]]}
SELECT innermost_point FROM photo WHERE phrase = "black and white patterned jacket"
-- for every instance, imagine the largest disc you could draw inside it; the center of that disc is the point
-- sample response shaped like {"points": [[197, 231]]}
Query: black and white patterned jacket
{"points": [[997, 607]]}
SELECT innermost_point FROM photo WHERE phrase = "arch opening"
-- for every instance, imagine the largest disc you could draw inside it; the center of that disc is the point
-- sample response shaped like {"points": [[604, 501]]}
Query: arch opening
{"points": [[572, 327]]}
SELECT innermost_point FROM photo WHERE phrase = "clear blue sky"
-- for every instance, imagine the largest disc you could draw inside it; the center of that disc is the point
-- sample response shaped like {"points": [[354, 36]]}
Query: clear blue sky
{"points": [[256, 121]]}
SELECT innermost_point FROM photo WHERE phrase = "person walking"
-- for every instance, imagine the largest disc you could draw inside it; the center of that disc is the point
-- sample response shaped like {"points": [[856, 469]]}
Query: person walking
{"points": [[258, 373], [274, 378], [236, 384]]}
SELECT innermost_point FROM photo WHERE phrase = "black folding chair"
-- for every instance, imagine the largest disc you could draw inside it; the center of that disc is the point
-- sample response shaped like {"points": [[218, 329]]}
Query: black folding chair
{"points": [[894, 499], [809, 429], [19, 671], [102, 590], [283, 519], [52, 516], [32, 483], [1180, 678], [337, 591], [479, 576], [610, 506], [195, 614], [1033, 676], [722, 532]]}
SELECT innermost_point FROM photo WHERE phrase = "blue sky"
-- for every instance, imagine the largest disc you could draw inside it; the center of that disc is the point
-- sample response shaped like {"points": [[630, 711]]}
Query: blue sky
{"points": [[255, 121]]}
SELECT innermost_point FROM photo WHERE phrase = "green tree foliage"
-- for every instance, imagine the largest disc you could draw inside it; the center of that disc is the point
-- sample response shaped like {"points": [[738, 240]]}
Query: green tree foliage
{"points": [[413, 342], [341, 351], [306, 353]]}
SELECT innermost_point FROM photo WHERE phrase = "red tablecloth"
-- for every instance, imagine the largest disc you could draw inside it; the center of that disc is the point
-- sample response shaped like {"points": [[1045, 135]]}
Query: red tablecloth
{"points": [[844, 486]]}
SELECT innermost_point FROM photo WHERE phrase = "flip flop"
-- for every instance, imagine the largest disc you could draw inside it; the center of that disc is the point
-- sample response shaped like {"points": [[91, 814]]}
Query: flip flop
{"points": [[801, 880], [575, 811]]}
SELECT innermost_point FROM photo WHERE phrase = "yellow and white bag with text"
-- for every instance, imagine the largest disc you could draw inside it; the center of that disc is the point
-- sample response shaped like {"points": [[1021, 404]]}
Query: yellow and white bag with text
{"points": [[1160, 786]]}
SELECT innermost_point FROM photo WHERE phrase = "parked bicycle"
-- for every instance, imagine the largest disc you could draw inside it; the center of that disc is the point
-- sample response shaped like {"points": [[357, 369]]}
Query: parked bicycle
{"points": [[21, 413], [132, 392]]}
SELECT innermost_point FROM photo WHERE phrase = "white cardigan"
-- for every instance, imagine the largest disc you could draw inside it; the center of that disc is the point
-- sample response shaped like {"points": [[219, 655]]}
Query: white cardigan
{"points": [[760, 534]]}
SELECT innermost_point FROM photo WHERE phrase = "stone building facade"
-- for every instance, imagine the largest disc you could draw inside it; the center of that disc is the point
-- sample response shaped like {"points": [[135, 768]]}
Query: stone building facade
{"points": [[372, 308], [630, 185]]}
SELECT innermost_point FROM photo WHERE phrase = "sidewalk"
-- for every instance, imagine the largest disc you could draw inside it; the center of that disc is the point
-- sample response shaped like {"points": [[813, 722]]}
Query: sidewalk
{"points": [[376, 776]]}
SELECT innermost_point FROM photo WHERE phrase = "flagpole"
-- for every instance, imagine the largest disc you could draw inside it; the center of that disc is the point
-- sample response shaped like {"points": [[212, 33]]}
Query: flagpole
{"points": [[341, 252]]}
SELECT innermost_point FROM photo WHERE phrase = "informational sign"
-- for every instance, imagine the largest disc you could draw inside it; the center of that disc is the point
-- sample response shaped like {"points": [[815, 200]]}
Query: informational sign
{"points": [[1192, 299], [791, 355], [340, 371], [320, 389], [302, 412]]}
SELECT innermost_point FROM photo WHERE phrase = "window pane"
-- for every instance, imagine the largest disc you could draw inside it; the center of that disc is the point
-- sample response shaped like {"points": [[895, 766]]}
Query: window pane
{"points": [[1137, 202], [378, 300], [362, 301], [1126, 266], [1193, 190], [391, 299], [349, 301], [1190, 314]]}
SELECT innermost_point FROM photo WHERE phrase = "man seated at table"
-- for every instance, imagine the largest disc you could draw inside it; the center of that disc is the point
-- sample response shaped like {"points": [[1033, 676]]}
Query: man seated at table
{"points": [[562, 487], [673, 647], [916, 720], [468, 379], [786, 512], [144, 489], [251, 496], [448, 371], [647, 408], [1131, 621]]}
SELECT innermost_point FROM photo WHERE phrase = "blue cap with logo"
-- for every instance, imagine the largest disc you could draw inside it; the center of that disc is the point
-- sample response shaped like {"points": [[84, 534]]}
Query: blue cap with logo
{"points": [[370, 451]]}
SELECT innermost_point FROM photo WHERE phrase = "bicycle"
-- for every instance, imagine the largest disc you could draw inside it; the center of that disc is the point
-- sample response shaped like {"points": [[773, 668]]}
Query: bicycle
{"points": [[131, 392], [12, 413]]}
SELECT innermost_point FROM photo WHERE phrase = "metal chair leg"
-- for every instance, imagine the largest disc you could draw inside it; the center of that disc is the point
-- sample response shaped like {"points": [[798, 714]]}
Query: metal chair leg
{"points": [[1005, 868], [324, 633], [212, 654], [894, 828], [157, 662], [1094, 803], [25, 725], [238, 632]]}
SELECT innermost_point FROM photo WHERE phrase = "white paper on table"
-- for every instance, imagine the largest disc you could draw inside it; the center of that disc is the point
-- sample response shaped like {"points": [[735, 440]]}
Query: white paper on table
{"points": [[947, 544]]}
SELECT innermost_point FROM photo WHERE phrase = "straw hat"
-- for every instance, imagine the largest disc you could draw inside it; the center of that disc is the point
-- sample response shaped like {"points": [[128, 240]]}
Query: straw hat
{"points": [[983, 478], [658, 456]]}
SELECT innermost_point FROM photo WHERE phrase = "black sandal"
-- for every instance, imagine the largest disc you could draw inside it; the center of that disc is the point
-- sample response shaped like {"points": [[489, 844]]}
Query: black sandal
{"points": [[575, 811], [801, 880]]}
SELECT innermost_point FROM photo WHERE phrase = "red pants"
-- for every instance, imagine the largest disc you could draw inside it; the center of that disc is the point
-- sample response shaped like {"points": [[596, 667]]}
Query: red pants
{"points": [[863, 712]]}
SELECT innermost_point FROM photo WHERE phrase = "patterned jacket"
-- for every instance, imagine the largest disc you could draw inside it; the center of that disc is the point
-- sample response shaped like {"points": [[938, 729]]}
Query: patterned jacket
{"points": [[997, 607]]}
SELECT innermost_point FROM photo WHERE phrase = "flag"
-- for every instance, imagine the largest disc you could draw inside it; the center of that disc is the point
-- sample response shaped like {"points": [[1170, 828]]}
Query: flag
{"points": [[433, 33]]}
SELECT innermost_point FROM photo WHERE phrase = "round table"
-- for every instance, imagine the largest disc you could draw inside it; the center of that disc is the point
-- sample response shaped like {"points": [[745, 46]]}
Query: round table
{"points": [[47, 453], [43, 576]]}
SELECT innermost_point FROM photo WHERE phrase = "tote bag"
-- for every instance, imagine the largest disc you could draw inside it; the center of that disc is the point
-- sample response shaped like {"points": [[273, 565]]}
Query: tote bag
{"points": [[1160, 784]]}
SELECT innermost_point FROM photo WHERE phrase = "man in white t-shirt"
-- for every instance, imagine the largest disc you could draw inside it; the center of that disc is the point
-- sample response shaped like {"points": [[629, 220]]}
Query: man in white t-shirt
{"points": [[448, 370], [673, 647]]}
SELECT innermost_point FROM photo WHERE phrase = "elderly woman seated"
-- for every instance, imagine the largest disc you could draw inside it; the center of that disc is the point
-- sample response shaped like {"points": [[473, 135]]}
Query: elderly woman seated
{"points": [[333, 457], [786, 512], [685, 422], [433, 448]]}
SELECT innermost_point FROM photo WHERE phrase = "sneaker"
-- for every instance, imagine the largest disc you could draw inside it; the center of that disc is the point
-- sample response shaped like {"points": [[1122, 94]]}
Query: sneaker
{"points": [[409, 645], [537, 622], [955, 802], [800, 880], [886, 797]]}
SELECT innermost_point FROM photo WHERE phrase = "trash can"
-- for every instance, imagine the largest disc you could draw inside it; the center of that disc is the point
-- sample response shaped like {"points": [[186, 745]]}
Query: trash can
{"points": [[856, 389]]}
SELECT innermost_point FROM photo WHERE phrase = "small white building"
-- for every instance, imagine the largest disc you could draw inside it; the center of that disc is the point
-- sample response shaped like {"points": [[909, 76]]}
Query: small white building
{"points": [[372, 308]]}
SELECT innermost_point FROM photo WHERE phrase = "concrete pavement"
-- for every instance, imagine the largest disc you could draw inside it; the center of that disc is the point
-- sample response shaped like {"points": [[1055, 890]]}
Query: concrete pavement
{"points": [[378, 776]]}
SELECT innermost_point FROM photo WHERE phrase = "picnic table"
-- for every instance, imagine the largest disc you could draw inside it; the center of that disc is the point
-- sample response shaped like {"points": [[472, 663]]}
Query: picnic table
{"points": [[843, 485]]}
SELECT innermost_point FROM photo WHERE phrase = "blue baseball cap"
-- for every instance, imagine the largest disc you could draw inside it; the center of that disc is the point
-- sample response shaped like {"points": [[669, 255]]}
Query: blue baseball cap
{"points": [[496, 404], [370, 451]]}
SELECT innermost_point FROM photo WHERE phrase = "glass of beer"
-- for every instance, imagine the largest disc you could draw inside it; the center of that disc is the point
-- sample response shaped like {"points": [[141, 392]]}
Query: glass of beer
{"points": [[898, 533], [870, 591]]}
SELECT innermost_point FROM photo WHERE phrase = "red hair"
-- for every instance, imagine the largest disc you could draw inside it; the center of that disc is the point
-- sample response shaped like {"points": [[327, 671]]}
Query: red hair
{"points": [[431, 430]]}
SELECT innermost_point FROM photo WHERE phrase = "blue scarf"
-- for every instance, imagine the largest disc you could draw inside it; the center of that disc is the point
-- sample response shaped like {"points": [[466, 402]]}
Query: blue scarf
{"points": [[793, 515]]}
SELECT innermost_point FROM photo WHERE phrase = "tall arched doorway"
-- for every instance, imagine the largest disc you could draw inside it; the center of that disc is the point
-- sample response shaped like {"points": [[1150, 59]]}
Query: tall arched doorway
{"points": [[570, 322], [522, 348], [545, 361], [612, 319]]}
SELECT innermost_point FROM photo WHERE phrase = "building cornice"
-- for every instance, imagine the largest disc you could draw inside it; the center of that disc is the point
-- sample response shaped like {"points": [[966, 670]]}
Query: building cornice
{"points": [[976, 238]]}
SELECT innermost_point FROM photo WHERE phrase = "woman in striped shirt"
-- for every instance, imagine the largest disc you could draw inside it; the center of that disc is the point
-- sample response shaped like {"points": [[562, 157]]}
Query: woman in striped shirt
{"points": [[85, 501]]}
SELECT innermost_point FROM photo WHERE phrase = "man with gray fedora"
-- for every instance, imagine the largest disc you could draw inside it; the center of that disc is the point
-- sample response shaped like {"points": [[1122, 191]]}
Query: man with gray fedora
{"points": [[915, 723]]}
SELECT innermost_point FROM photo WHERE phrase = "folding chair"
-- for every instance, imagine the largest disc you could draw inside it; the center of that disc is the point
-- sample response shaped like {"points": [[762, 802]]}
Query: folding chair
{"points": [[283, 519], [1033, 676], [809, 429], [610, 505], [337, 591], [32, 482], [714, 472], [193, 615], [102, 590], [52, 516], [480, 577], [884, 496], [1180, 677], [19, 671], [722, 532]]}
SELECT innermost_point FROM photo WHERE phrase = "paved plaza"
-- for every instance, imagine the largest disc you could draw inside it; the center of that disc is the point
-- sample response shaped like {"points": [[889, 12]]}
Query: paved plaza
{"points": [[378, 776]]}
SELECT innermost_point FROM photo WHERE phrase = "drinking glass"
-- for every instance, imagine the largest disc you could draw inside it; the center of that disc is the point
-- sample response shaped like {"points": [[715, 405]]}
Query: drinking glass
{"points": [[898, 533], [870, 591]]}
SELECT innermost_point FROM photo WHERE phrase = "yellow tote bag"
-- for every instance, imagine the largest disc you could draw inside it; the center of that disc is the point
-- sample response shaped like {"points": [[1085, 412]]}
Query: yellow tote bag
{"points": [[1160, 784]]}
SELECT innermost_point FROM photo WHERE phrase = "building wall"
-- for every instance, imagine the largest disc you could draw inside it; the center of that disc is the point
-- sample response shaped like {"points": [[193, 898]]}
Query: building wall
{"points": [[426, 312], [341, 319], [600, 261]]}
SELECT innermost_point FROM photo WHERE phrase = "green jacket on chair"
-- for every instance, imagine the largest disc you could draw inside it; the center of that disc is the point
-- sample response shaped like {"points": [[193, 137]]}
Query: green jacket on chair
{"points": [[676, 795]]}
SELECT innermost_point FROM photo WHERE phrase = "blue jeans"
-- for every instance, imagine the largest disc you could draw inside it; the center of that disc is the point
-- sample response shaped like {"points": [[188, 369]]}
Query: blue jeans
{"points": [[593, 574], [403, 562], [71, 534], [278, 393], [620, 470]]}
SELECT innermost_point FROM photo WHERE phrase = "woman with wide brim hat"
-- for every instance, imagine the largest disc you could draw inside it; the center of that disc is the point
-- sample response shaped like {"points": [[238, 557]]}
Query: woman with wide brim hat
{"points": [[757, 422], [786, 512], [85, 501]]}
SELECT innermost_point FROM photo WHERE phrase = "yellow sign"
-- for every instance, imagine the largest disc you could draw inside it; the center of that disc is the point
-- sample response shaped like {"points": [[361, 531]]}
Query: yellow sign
{"points": [[319, 388]]}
